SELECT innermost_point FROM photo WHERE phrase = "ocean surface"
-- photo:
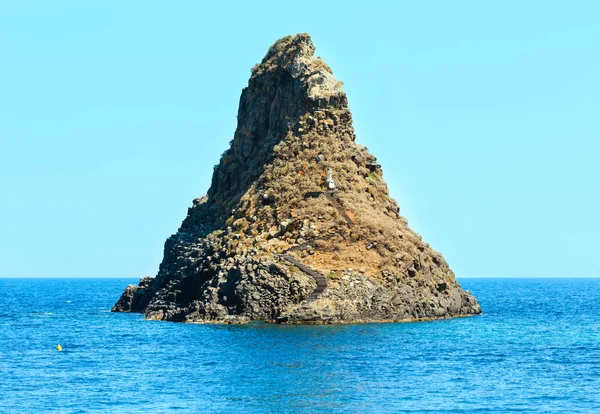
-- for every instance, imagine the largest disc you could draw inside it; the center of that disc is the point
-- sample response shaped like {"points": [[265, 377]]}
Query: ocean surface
{"points": [[536, 348]]}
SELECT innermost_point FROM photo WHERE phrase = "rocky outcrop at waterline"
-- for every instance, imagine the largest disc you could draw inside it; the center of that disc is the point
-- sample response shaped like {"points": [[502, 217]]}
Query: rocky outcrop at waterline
{"points": [[298, 225]]}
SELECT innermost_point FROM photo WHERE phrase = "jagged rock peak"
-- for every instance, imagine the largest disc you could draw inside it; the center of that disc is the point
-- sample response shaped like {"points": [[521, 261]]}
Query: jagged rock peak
{"points": [[295, 55], [298, 225], [289, 88]]}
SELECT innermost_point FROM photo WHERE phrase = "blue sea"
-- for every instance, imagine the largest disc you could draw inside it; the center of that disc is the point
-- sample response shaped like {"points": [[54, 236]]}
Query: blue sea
{"points": [[536, 348]]}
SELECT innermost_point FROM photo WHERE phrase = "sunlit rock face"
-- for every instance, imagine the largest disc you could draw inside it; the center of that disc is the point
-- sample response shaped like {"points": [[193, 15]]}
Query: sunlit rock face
{"points": [[298, 225]]}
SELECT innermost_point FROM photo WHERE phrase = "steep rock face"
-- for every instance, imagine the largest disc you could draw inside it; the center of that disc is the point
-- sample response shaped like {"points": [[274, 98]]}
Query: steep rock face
{"points": [[298, 225]]}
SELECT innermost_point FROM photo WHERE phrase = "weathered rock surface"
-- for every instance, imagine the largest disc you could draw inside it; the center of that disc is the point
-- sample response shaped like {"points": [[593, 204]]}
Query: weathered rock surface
{"points": [[298, 225], [126, 301]]}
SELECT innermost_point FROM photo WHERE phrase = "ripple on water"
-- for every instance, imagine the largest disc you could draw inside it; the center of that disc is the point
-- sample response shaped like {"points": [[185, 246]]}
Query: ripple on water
{"points": [[536, 348]]}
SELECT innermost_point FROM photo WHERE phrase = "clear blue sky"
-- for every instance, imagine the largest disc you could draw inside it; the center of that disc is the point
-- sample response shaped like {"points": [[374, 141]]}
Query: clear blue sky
{"points": [[484, 115]]}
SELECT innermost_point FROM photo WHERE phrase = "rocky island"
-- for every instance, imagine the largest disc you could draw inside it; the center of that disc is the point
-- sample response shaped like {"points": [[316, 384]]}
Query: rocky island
{"points": [[298, 225]]}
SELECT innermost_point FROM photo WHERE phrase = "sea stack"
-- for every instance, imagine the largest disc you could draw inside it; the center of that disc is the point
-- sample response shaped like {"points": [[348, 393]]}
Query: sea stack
{"points": [[298, 225]]}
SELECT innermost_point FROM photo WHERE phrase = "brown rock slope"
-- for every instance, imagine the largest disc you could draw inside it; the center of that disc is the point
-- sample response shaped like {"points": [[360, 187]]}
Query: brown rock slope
{"points": [[297, 226]]}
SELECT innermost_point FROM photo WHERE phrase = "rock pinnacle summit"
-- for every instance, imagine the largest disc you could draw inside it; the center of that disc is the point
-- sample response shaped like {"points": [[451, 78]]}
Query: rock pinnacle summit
{"points": [[298, 225]]}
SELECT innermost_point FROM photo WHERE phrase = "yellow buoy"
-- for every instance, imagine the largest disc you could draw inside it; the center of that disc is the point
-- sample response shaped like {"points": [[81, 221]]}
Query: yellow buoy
{"points": [[58, 347]]}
